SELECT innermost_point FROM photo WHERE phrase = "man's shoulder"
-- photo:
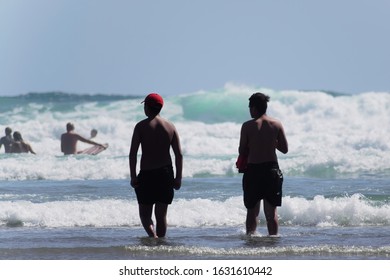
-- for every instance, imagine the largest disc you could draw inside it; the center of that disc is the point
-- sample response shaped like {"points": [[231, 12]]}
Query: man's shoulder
{"points": [[168, 125], [70, 135], [141, 124], [273, 120], [151, 122], [64, 135], [249, 122], [165, 121], [160, 119], [6, 139]]}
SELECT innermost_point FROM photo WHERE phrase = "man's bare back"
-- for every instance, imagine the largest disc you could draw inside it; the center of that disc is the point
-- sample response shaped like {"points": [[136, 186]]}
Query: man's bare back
{"points": [[156, 136], [69, 143], [262, 136]]}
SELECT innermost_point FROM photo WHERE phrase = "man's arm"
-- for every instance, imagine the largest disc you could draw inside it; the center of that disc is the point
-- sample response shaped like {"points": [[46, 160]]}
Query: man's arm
{"points": [[62, 144], [178, 159], [82, 139], [176, 147], [135, 142], [243, 146], [282, 145], [29, 148]]}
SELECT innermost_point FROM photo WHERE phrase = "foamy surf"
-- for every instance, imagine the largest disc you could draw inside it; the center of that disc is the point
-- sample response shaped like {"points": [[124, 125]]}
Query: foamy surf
{"points": [[329, 134], [193, 213]]}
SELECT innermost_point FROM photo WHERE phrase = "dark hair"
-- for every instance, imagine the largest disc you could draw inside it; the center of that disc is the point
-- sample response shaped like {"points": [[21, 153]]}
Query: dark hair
{"points": [[69, 126], [259, 101], [17, 136]]}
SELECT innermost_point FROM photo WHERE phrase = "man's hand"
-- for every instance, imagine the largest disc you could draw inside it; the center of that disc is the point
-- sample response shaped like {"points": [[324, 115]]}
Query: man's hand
{"points": [[134, 182], [177, 184]]}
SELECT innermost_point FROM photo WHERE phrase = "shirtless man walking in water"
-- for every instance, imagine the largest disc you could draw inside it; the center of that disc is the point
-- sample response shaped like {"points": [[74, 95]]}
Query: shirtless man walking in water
{"points": [[260, 138], [155, 182]]}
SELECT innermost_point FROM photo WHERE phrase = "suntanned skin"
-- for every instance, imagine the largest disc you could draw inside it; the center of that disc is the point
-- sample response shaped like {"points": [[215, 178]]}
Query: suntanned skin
{"points": [[69, 141], [156, 136], [7, 140], [21, 147], [259, 140], [260, 137]]}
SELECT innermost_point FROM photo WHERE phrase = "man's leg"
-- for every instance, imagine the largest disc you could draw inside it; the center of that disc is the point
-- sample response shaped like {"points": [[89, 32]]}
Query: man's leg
{"points": [[145, 214], [252, 218], [160, 211], [271, 217]]}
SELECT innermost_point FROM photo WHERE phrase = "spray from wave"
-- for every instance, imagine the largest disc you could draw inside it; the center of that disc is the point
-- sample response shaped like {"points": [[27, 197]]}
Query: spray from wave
{"points": [[329, 134]]}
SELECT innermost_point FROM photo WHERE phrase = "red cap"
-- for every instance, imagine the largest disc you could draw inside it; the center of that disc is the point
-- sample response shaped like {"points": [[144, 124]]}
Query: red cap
{"points": [[154, 100]]}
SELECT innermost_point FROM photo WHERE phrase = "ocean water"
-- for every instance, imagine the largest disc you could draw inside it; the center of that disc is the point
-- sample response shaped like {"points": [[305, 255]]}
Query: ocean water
{"points": [[335, 196]]}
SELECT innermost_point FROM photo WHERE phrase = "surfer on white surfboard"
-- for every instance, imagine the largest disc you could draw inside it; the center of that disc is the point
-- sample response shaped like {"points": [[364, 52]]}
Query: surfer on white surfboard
{"points": [[69, 141]]}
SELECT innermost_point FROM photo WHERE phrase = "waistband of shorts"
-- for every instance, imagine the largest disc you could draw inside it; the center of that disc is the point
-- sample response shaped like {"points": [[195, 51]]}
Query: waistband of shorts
{"points": [[169, 166], [264, 165]]}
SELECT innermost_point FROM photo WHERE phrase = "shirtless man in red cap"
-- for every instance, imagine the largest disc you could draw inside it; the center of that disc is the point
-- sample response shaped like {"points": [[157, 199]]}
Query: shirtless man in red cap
{"points": [[155, 182]]}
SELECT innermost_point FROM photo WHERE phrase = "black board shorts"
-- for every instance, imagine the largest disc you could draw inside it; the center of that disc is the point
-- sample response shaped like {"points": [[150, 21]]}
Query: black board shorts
{"points": [[155, 185], [262, 181]]}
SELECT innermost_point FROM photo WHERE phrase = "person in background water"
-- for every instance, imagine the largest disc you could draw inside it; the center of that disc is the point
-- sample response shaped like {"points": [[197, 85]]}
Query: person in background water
{"points": [[260, 138], [155, 182], [69, 140], [19, 145], [7, 140], [94, 132]]}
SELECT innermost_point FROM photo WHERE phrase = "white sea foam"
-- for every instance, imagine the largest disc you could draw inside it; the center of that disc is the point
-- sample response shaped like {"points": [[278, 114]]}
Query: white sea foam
{"points": [[192, 213], [328, 134]]}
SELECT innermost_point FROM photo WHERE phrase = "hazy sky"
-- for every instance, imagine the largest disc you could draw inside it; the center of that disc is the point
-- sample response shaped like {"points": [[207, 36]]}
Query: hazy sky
{"points": [[182, 46]]}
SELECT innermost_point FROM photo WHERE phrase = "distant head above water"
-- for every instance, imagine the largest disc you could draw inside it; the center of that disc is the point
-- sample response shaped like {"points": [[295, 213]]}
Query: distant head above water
{"points": [[69, 126]]}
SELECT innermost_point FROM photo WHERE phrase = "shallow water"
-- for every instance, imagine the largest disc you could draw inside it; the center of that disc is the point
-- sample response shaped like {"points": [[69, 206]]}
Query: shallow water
{"points": [[99, 220]]}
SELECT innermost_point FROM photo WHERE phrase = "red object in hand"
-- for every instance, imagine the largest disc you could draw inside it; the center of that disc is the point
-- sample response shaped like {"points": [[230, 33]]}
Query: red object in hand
{"points": [[241, 163]]}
